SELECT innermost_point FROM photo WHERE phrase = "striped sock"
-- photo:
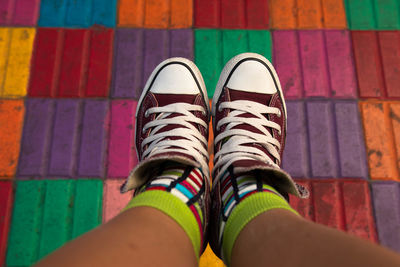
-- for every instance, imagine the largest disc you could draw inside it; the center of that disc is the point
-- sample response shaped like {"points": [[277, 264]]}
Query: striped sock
{"points": [[243, 197], [177, 191]]}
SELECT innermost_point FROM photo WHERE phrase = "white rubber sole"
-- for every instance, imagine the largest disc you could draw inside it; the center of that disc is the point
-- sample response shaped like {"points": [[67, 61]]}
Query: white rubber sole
{"points": [[227, 70]]}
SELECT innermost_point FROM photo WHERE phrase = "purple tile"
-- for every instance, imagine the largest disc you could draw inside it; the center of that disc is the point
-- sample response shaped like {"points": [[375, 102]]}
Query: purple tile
{"points": [[156, 43], [128, 62], [36, 137], [65, 138], [314, 63], [93, 140], [295, 155], [321, 133], [386, 199], [350, 140], [181, 43]]}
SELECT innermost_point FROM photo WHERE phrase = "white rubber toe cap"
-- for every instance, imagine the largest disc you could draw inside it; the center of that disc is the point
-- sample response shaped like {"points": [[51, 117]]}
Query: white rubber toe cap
{"points": [[175, 79], [252, 76]]}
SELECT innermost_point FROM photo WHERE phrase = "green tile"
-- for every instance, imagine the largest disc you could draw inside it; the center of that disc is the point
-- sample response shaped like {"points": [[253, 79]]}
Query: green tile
{"points": [[48, 213], [87, 206], [213, 48], [207, 53], [23, 242], [387, 14], [360, 14], [56, 216]]}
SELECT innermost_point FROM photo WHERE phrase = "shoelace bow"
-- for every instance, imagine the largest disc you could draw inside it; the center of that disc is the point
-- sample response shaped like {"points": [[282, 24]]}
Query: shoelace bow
{"points": [[235, 140], [159, 142]]}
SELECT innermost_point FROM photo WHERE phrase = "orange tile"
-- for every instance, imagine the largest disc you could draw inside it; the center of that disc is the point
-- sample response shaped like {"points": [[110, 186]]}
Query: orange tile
{"points": [[181, 14], [283, 14], [208, 259], [379, 141], [309, 14], [130, 13], [156, 14], [333, 14], [395, 118], [11, 121]]}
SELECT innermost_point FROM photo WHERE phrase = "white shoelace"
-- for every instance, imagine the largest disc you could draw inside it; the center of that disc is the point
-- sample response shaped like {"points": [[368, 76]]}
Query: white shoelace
{"points": [[193, 141], [234, 148]]}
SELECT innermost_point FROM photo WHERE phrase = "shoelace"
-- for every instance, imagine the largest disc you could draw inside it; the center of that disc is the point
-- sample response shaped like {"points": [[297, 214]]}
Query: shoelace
{"points": [[158, 142], [234, 147]]}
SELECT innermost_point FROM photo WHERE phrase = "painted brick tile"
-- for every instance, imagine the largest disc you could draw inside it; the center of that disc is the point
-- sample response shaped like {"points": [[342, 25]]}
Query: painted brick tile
{"points": [[213, 48], [209, 259], [15, 50], [6, 198], [341, 204], [389, 44], [138, 52], [72, 63], [242, 14], [19, 12], [121, 147], [155, 14], [368, 64], [315, 63], [295, 156], [48, 213], [287, 62], [11, 123], [36, 137], [321, 130], [375, 14], [380, 146], [77, 13], [64, 138], [386, 196], [324, 139], [114, 201], [394, 115], [92, 153], [307, 14], [350, 139]]}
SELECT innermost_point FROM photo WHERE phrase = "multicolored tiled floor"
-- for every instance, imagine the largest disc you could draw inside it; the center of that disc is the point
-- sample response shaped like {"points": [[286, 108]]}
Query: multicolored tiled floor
{"points": [[71, 72]]}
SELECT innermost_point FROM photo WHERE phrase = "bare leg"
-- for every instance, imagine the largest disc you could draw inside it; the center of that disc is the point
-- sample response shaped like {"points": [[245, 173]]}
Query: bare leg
{"points": [[141, 236], [280, 238]]}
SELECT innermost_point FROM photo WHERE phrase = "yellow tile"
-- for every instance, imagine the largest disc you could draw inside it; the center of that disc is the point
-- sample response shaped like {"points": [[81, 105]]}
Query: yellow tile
{"points": [[208, 259], [19, 59], [4, 45]]}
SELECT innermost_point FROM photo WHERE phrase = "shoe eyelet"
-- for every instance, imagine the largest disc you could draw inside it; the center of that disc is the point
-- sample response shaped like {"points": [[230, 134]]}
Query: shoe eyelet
{"points": [[219, 109], [146, 114], [279, 114], [144, 131]]}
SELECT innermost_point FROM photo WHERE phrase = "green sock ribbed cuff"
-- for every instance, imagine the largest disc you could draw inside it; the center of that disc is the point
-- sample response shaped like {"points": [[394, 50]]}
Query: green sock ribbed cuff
{"points": [[246, 211], [174, 208]]}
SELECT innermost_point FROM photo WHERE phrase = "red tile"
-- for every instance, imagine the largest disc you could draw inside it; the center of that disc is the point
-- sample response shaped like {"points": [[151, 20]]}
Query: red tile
{"points": [[233, 14], [358, 210], [45, 62], [5, 213], [206, 14], [368, 64], [100, 60], [74, 58], [389, 43], [259, 17]]}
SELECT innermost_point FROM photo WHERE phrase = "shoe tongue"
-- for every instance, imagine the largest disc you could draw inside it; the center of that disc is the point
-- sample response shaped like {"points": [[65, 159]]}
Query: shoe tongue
{"points": [[255, 97]]}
